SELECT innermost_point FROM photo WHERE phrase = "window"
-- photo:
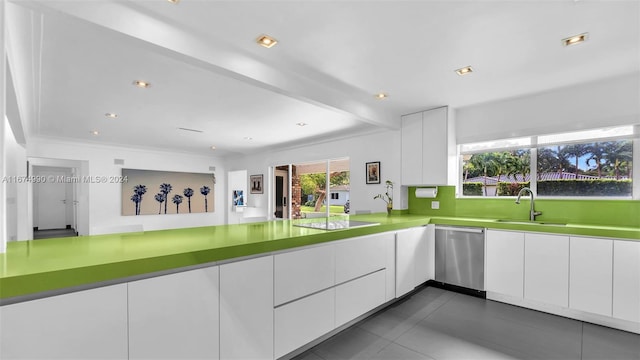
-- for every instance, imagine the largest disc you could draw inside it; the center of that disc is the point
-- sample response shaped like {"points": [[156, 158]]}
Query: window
{"points": [[586, 163], [334, 196]]}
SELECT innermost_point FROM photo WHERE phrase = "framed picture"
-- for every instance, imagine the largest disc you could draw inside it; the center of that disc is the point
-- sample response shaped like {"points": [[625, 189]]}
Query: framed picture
{"points": [[256, 184], [373, 172]]}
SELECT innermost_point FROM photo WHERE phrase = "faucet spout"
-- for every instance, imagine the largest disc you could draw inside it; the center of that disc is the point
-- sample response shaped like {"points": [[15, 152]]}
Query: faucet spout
{"points": [[532, 212]]}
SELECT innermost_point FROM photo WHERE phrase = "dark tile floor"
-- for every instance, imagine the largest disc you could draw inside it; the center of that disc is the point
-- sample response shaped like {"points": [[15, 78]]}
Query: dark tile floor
{"points": [[53, 233], [439, 324]]}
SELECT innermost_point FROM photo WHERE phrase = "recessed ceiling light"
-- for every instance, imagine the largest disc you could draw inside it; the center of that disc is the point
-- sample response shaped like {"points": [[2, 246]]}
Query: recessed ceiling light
{"points": [[464, 71], [301, 124], [111, 115], [213, 147], [576, 39], [381, 96], [94, 132], [174, 1], [141, 84], [266, 41], [248, 138]]}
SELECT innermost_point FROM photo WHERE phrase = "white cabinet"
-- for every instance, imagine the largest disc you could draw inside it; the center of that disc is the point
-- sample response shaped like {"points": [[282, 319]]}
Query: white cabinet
{"points": [[360, 256], [175, 316], [302, 321], [591, 273], [546, 268], [412, 257], [424, 147], [356, 297], [505, 262], [88, 324], [246, 309], [626, 280], [302, 272]]}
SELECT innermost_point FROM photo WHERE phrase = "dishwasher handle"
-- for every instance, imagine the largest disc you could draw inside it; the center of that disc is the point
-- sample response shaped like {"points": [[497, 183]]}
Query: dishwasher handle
{"points": [[461, 229]]}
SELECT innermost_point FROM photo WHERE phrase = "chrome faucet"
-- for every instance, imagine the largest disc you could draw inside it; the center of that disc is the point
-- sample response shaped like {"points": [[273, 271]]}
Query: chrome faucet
{"points": [[532, 213]]}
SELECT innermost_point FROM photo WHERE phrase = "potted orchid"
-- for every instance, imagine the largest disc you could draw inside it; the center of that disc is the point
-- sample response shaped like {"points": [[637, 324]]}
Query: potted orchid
{"points": [[387, 196]]}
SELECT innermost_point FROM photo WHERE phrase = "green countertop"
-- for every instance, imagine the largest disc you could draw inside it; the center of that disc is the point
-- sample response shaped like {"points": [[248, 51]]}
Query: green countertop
{"points": [[38, 266]]}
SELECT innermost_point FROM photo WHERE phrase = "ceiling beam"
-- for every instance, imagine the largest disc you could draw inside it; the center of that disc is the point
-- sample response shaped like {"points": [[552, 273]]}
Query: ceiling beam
{"points": [[219, 57]]}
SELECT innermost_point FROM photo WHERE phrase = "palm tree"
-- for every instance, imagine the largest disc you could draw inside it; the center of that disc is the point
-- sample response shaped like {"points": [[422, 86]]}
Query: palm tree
{"points": [[577, 151], [165, 189], [177, 199], [160, 197], [598, 153], [618, 154], [136, 199], [487, 163], [205, 191], [139, 190], [188, 192]]}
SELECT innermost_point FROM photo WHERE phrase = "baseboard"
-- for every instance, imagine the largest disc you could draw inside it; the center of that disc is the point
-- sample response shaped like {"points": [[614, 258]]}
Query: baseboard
{"points": [[459, 289], [620, 324]]}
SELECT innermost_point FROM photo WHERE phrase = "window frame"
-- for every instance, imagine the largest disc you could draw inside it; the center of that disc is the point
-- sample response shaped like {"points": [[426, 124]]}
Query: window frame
{"points": [[533, 148]]}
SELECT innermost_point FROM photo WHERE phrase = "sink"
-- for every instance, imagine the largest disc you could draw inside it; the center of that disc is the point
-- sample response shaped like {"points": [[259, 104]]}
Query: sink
{"points": [[336, 224], [527, 222]]}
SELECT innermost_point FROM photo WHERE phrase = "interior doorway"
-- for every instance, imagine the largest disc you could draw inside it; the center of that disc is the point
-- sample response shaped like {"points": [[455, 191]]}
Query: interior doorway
{"points": [[54, 202], [281, 192]]}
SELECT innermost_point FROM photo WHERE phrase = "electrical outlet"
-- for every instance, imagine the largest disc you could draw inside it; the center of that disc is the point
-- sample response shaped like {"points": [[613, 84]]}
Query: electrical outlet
{"points": [[435, 205]]}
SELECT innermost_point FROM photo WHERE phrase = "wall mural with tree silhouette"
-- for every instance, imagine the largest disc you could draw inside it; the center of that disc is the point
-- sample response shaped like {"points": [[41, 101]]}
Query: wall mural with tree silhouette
{"points": [[148, 192]]}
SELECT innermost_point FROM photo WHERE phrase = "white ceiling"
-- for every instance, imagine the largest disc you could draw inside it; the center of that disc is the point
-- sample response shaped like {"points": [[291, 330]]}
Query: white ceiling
{"points": [[208, 74]]}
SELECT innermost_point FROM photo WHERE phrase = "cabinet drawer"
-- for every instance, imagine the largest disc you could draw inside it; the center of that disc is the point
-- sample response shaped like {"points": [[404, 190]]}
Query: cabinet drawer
{"points": [[304, 320], [303, 272], [358, 296], [361, 256]]}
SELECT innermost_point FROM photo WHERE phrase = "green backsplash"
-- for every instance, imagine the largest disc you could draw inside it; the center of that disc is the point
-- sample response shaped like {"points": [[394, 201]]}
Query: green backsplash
{"points": [[583, 211]]}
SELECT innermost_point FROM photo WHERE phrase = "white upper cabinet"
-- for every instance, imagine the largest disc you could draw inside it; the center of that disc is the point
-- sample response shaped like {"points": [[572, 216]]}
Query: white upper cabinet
{"points": [[425, 147]]}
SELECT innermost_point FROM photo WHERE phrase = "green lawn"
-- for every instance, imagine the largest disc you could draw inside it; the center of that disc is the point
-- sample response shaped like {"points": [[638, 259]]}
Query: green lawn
{"points": [[333, 209]]}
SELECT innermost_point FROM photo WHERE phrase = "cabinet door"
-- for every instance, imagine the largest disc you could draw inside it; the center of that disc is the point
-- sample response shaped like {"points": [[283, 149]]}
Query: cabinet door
{"points": [[390, 273], [246, 309], [626, 280], [303, 272], [411, 259], [590, 275], [546, 268], [304, 320], [423, 266], [175, 316], [434, 146], [411, 151], [369, 251], [90, 324], [505, 262], [358, 296]]}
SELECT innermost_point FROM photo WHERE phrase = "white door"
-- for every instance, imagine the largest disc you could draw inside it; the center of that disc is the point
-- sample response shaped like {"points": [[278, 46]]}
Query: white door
{"points": [[51, 199]]}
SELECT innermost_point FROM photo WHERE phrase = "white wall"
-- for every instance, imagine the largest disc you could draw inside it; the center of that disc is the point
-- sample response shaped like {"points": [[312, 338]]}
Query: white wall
{"points": [[383, 146], [607, 102], [16, 191], [104, 199]]}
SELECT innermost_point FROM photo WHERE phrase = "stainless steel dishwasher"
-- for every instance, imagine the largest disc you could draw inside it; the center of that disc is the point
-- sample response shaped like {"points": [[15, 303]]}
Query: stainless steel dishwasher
{"points": [[460, 256]]}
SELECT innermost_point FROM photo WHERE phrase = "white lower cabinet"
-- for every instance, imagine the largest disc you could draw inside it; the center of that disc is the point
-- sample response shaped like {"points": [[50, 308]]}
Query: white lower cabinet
{"points": [[412, 256], [175, 316], [90, 324], [591, 275], [356, 297], [546, 268], [304, 320], [360, 256], [302, 272], [626, 280], [505, 262], [246, 309]]}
